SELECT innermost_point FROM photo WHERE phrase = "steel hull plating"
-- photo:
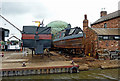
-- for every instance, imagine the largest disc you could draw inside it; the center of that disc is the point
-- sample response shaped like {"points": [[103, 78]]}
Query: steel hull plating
{"points": [[36, 38]]}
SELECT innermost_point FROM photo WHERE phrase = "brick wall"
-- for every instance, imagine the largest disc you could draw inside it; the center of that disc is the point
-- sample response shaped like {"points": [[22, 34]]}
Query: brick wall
{"points": [[110, 45], [91, 42], [113, 23]]}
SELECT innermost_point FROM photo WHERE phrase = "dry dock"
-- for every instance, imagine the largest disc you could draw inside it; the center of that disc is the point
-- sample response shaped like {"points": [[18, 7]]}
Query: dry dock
{"points": [[16, 69], [12, 64]]}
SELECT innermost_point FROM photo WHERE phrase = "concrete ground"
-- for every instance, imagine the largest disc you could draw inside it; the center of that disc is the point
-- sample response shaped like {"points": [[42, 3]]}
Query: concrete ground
{"points": [[95, 63], [15, 59]]}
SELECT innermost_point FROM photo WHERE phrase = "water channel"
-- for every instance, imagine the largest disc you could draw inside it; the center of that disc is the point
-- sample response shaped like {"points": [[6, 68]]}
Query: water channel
{"points": [[99, 74]]}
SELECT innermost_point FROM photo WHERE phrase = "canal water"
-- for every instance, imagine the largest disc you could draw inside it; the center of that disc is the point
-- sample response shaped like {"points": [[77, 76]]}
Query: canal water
{"points": [[108, 74]]}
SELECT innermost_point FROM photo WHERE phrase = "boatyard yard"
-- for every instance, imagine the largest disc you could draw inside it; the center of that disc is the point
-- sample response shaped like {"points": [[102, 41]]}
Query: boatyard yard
{"points": [[16, 59], [60, 49], [13, 61]]}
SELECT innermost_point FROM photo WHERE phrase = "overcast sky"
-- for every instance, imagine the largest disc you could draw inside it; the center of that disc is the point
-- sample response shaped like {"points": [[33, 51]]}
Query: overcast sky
{"points": [[23, 12]]}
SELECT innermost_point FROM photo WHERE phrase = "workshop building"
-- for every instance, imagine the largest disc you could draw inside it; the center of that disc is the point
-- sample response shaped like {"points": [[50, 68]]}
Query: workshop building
{"points": [[103, 33]]}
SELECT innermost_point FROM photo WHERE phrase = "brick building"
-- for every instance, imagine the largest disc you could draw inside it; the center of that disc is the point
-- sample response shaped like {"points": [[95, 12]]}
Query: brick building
{"points": [[111, 20], [103, 33]]}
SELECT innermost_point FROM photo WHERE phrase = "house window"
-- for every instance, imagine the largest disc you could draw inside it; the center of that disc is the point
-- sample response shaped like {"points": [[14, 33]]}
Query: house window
{"points": [[100, 37], [111, 37], [105, 37], [117, 37], [105, 25], [6, 33]]}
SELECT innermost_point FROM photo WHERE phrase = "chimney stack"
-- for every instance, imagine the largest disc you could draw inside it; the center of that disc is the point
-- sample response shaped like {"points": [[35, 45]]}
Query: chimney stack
{"points": [[85, 16], [103, 13], [85, 23]]}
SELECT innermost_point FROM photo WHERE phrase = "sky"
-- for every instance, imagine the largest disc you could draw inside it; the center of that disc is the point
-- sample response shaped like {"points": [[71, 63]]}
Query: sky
{"points": [[23, 12]]}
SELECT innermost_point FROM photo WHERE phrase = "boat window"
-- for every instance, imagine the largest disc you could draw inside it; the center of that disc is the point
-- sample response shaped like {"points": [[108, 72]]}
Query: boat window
{"points": [[80, 32], [71, 31]]}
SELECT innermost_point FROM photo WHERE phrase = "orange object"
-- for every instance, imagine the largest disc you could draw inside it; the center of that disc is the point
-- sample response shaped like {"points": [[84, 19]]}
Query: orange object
{"points": [[21, 49], [37, 22]]}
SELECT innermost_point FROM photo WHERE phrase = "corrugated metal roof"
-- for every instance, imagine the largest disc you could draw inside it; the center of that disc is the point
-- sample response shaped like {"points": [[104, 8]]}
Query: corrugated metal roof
{"points": [[107, 17], [107, 31]]}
